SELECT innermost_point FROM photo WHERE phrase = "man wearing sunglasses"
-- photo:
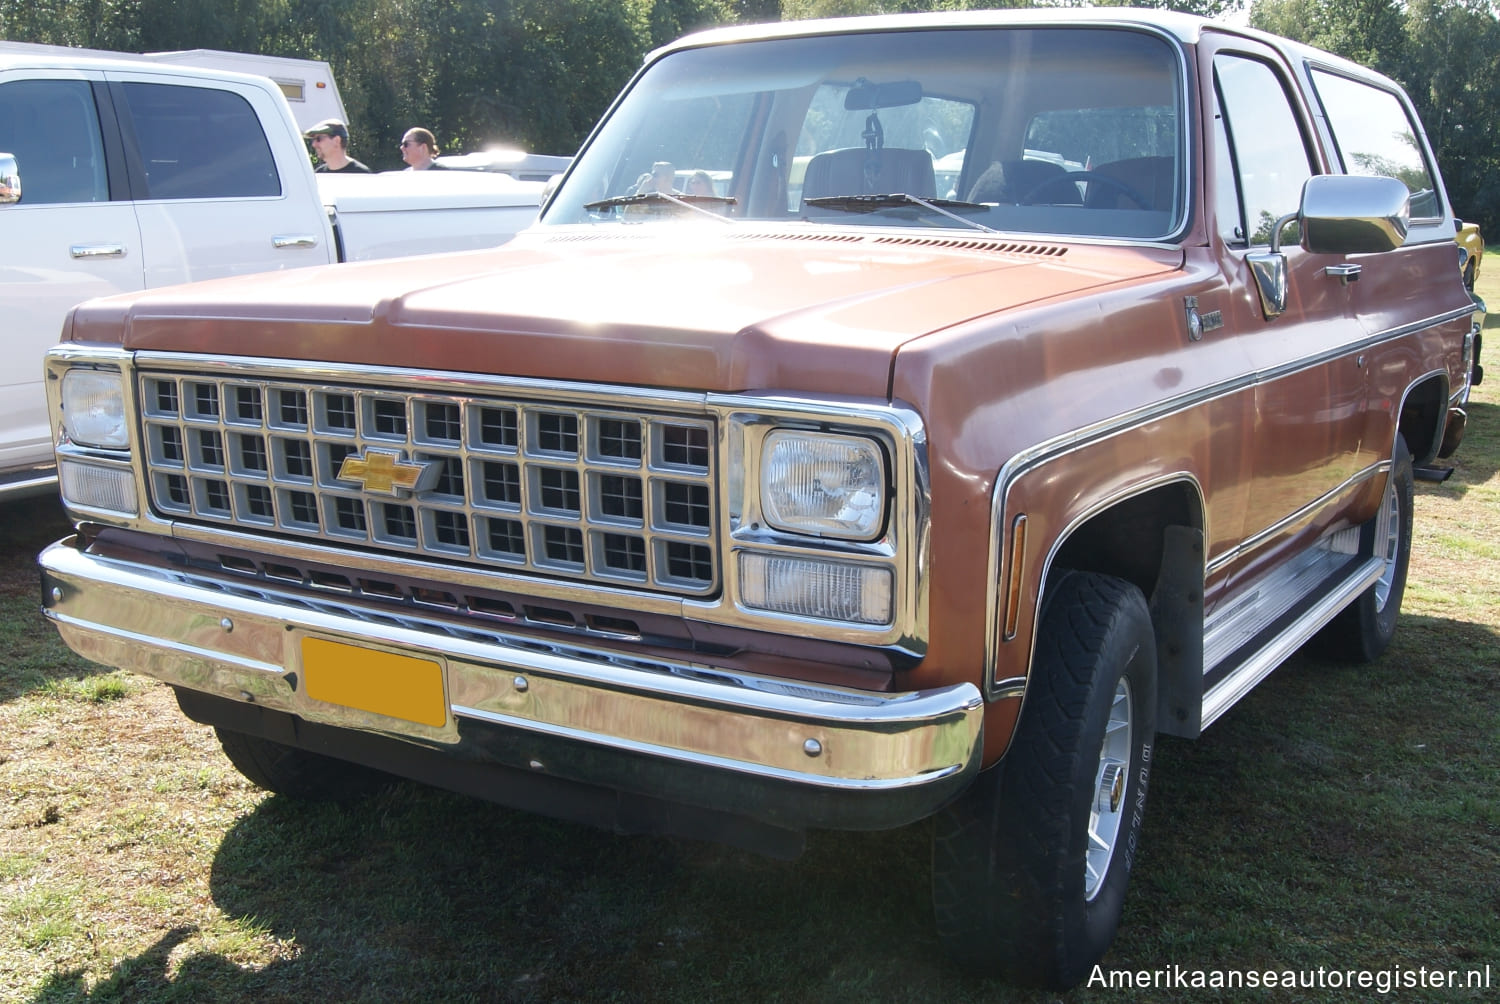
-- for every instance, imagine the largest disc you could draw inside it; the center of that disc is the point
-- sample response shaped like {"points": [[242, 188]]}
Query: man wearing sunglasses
{"points": [[418, 149], [330, 141]]}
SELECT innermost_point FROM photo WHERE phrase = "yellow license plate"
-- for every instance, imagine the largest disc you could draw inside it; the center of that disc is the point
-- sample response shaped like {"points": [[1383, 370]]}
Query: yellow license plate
{"points": [[367, 679]]}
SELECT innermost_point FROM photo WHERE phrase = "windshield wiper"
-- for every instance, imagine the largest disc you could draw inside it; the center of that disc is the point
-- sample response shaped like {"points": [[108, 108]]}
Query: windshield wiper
{"points": [[871, 203], [662, 198]]}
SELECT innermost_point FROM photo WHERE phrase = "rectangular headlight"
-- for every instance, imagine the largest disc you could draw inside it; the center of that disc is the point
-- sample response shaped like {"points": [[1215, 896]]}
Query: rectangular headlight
{"points": [[826, 485], [93, 408], [810, 587]]}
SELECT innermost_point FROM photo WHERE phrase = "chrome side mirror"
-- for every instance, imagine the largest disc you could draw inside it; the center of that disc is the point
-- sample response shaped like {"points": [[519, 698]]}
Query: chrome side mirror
{"points": [[1340, 214], [1346, 214], [10, 180]]}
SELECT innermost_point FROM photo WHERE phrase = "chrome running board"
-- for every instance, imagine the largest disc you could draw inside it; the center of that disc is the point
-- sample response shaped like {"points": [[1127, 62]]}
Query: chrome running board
{"points": [[1235, 626]]}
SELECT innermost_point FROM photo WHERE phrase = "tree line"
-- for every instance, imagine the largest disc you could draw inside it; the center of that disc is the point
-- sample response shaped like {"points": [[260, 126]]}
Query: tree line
{"points": [[1446, 53], [537, 74], [530, 73]]}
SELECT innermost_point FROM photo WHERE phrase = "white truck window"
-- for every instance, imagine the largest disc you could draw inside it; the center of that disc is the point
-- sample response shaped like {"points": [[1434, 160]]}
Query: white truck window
{"points": [[200, 143], [52, 128]]}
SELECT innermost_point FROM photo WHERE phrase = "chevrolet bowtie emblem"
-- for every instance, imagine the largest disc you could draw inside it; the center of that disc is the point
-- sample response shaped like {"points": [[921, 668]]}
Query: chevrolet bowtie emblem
{"points": [[383, 472]]}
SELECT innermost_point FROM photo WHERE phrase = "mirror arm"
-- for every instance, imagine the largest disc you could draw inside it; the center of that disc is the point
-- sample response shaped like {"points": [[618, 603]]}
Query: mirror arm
{"points": [[1276, 230]]}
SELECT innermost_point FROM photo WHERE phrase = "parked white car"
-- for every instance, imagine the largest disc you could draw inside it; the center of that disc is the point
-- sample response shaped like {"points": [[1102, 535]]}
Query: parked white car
{"points": [[125, 174]]}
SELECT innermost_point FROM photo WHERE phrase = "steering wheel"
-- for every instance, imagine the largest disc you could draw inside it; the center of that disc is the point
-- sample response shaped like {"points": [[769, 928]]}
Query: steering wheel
{"points": [[1091, 178]]}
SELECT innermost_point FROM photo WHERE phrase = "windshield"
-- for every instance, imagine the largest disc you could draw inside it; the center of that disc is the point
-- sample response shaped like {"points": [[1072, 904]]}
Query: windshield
{"points": [[1069, 131]]}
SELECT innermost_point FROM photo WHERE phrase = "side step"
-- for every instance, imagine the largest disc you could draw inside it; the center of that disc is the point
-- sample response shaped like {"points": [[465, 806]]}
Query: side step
{"points": [[1437, 474], [1258, 631]]}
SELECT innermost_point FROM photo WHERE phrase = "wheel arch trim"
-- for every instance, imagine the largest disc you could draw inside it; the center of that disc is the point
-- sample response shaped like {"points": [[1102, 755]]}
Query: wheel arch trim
{"points": [[998, 592]]}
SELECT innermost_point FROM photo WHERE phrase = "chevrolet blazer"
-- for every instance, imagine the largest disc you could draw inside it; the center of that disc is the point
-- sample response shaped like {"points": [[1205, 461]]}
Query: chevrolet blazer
{"points": [[805, 494]]}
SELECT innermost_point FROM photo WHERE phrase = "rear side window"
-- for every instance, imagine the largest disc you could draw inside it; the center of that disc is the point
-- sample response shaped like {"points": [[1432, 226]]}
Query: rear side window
{"points": [[52, 128], [200, 143], [1374, 135]]}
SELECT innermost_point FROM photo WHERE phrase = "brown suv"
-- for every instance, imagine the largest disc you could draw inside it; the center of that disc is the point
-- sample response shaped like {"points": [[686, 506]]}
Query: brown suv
{"points": [[803, 494]]}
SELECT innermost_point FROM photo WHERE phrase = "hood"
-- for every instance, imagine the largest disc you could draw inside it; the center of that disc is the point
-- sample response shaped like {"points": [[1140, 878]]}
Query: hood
{"points": [[707, 309]]}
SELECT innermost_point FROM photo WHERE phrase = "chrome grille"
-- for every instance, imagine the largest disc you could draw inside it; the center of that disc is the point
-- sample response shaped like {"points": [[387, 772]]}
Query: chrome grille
{"points": [[536, 487]]}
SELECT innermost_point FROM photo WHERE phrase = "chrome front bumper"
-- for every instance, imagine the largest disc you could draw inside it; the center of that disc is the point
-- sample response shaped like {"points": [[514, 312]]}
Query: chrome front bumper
{"points": [[791, 754]]}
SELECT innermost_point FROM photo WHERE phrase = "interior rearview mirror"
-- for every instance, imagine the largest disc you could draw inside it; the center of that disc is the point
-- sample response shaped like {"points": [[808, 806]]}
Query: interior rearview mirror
{"points": [[865, 96]]}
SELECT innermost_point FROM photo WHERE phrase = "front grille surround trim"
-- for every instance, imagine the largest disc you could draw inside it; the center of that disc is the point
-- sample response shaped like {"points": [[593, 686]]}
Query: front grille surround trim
{"points": [[736, 418]]}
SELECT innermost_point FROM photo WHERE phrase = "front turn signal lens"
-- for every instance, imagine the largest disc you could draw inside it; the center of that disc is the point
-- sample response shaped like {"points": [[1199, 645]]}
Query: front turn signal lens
{"points": [[812, 587]]}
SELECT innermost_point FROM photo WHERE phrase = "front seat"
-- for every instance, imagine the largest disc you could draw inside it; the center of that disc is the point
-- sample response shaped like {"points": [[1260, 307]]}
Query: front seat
{"points": [[1150, 177], [858, 171]]}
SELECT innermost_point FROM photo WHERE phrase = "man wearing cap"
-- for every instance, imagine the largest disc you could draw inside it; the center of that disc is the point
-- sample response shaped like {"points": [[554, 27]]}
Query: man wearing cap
{"points": [[329, 139]]}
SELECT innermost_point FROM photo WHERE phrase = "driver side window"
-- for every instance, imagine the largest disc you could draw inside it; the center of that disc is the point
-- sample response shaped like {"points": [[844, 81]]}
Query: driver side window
{"points": [[1265, 144]]}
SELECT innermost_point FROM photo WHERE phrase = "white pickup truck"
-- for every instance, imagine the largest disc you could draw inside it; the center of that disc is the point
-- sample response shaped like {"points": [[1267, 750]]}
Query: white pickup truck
{"points": [[117, 175]]}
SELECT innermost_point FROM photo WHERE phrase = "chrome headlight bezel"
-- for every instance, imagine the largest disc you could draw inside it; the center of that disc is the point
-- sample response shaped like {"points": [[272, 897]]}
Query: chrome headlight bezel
{"points": [[888, 555], [90, 411]]}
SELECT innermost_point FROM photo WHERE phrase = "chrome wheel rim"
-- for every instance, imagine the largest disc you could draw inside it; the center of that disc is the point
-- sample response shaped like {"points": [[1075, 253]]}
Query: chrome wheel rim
{"points": [[1108, 809], [1387, 541]]}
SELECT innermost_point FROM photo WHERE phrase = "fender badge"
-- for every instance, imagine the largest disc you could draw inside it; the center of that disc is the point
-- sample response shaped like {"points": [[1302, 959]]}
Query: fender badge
{"points": [[1198, 324], [383, 472], [1194, 321]]}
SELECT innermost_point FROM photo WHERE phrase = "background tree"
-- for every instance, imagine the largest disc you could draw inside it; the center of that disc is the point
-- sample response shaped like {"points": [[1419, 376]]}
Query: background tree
{"points": [[1443, 53], [1370, 32], [1451, 69], [1204, 8]]}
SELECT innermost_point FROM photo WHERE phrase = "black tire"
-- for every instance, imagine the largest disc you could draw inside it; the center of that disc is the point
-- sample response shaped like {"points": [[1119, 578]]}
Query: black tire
{"points": [[297, 773], [1010, 887], [1364, 629], [1471, 272]]}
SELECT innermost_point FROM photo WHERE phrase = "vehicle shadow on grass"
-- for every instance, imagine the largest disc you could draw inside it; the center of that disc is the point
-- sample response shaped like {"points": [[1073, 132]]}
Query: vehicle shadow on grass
{"points": [[26, 527], [1477, 459], [416, 895]]}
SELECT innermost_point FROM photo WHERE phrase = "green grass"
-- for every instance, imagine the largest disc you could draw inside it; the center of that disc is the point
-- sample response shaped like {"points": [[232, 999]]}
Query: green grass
{"points": [[1343, 817]]}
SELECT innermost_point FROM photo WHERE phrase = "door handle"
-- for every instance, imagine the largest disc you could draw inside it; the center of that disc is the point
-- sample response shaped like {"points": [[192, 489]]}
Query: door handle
{"points": [[1345, 274], [294, 241], [97, 250]]}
